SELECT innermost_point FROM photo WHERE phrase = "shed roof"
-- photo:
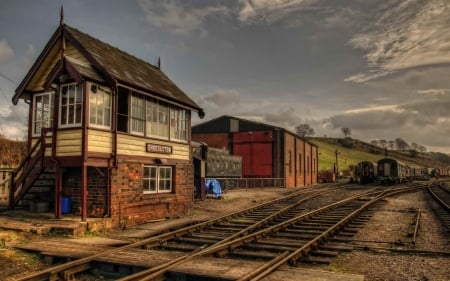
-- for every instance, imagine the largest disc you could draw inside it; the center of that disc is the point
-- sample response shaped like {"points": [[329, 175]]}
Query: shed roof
{"points": [[222, 124]]}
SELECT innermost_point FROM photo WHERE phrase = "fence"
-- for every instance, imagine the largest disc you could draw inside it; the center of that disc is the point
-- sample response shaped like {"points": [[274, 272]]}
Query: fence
{"points": [[5, 181], [245, 183]]}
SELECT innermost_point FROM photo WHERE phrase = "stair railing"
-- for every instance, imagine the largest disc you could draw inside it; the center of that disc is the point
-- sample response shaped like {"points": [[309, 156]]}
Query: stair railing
{"points": [[29, 170], [5, 183]]}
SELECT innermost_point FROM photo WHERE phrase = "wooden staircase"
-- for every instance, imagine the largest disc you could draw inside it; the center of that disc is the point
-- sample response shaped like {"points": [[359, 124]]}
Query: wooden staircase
{"points": [[32, 181]]}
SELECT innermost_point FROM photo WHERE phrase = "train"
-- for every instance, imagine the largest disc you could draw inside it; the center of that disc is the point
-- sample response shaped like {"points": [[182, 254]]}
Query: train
{"points": [[366, 172], [393, 171]]}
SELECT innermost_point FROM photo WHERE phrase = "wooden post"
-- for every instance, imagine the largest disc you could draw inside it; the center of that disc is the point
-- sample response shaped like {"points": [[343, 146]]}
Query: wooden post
{"points": [[84, 193], [58, 191]]}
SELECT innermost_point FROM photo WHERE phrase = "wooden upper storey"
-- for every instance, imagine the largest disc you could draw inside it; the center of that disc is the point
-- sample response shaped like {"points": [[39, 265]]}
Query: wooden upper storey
{"points": [[96, 95]]}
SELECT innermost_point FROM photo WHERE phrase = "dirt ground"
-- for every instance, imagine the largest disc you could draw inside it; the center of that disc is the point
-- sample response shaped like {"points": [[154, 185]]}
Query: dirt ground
{"points": [[389, 224]]}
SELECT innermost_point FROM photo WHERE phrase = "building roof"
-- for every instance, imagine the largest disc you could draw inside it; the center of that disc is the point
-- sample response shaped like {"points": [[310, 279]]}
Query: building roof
{"points": [[221, 124], [110, 64]]}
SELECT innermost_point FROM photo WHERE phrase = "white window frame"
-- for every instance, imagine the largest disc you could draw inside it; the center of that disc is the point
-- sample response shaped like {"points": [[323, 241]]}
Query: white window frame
{"points": [[179, 124], [137, 114], [97, 106], [162, 179], [157, 122], [51, 105], [76, 102]]}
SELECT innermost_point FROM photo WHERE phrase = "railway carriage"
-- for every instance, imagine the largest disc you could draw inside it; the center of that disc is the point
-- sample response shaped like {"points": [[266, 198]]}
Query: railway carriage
{"points": [[391, 171], [366, 172]]}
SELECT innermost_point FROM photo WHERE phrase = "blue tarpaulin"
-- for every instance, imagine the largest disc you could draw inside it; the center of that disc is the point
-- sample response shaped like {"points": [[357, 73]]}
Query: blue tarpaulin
{"points": [[213, 187]]}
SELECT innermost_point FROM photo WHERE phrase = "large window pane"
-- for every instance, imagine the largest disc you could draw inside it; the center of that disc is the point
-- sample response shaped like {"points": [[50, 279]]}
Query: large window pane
{"points": [[71, 104], [178, 124], [137, 117], [43, 112], [99, 107]]}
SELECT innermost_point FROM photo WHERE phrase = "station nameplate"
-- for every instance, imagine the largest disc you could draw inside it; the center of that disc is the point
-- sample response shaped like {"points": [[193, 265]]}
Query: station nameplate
{"points": [[157, 148]]}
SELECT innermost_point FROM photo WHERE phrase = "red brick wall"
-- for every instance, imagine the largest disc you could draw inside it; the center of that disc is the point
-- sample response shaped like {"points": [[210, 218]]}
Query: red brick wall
{"points": [[96, 190], [130, 206]]}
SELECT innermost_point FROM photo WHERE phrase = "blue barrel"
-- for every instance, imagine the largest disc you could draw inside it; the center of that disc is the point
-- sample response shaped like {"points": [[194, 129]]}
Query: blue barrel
{"points": [[66, 205]]}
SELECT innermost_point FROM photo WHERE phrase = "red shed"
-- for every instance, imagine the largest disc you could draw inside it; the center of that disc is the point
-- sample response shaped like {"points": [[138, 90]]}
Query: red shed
{"points": [[267, 151]]}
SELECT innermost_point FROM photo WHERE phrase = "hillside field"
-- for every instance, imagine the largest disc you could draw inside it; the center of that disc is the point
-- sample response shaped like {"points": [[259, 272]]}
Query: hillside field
{"points": [[351, 152]]}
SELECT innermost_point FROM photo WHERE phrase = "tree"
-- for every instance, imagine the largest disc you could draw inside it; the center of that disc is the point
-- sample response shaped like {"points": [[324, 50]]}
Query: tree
{"points": [[383, 143], [304, 130], [374, 142], [415, 146], [346, 131], [422, 148], [391, 144], [401, 144]]}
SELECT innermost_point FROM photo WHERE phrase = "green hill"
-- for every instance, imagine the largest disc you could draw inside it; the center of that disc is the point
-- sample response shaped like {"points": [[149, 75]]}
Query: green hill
{"points": [[351, 151]]}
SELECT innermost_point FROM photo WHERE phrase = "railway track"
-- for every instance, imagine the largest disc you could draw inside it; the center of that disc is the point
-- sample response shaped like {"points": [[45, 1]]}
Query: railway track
{"points": [[440, 193], [259, 214], [279, 231], [294, 240]]}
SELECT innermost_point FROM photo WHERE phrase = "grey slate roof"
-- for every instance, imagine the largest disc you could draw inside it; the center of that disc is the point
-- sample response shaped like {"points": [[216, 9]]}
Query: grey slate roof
{"points": [[108, 63]]}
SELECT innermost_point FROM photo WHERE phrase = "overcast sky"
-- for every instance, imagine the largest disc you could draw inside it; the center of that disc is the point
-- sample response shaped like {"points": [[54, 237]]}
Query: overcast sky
{"points": [[378, 67]]}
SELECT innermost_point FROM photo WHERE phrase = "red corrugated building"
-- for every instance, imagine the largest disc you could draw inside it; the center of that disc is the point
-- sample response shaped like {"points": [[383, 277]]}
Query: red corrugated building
{"points": [[267, 151]]}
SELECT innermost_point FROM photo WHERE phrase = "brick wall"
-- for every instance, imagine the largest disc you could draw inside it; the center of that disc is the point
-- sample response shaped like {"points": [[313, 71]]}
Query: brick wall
{"points": [[130, 206], [96, 190]]}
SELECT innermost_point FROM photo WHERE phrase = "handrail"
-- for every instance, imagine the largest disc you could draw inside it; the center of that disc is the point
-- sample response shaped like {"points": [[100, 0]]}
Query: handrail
{"points": [[5, 184], [21, 179]]}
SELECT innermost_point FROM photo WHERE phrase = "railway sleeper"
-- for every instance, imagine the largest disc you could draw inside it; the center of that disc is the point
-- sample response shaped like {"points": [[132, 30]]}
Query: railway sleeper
{"points": [[336, 247], [224, 228], [309, 232], [179, 247], [315, 260], [243, 221], [342, 239], [257, 217], [69, 274], [324, 253], [306, 230], [346, 234], [236, 225], [282, 242], [214, 233], [270, 248], [196, 241], [210, 236], [296, 236], [254, 254], [314, 226], [324, 221]]}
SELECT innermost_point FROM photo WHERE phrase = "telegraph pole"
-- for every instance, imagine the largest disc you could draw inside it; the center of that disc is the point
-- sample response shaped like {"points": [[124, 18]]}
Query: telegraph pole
{"points": [[337, 164]]}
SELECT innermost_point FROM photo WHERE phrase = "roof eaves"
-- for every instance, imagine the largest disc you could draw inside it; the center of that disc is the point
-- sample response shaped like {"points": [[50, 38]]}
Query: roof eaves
{"points": [[21, 88]]}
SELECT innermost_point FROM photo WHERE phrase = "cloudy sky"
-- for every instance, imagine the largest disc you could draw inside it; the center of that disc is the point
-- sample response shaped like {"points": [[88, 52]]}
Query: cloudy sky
{"points": [[378, 67]]}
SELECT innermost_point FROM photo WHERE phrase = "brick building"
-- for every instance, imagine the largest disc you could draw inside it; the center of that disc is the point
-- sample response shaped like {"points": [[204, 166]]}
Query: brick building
{"points": [[267, 151], [109, 134]]}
